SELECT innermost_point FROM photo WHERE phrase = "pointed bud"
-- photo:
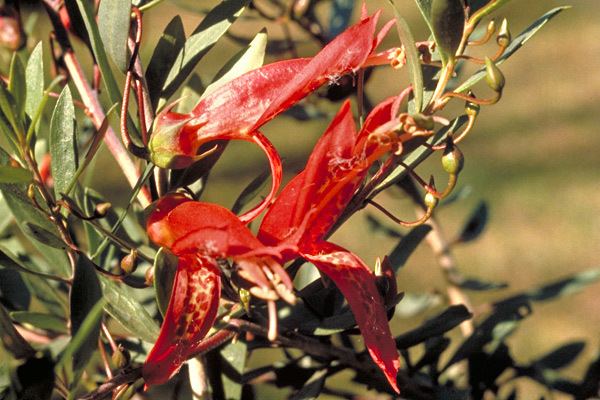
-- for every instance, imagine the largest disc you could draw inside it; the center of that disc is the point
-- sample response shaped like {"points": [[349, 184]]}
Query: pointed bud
{"points": [[495, 77], [504, 38], [167, 147], [101, 209], [453, 159], [430, 201], [149, 276], [129, 262], [120, 357]]}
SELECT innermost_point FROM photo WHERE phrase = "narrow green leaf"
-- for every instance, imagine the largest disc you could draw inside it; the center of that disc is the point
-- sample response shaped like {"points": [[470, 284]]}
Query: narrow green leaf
{"points": [[448, 22], [122, 306], [11, 339], [114, 18], [43, 235], [479, 285], [63, 147], [17, 84], [212, 27], [165, 53], [10, 174], [40, 320], [84, 297], [312, 387], [412, 58], [436, 326], [407, 245], [245, 60], [35, 80], [190, 94], [425, 9], [515, 45], [11, 124], [72, 354], [24, 212], [234, 356], [475, 224], [561, 357], [413, 304], [251, 191], [165, 267]]}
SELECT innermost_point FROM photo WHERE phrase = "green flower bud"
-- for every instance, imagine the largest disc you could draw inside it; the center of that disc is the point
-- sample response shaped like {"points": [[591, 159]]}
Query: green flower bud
{"points": [[448, 22], [453, 160], [430, 201], [503, 39], [495, 77], [102, 209], [472, 109], [245, 298], [121, 357]]}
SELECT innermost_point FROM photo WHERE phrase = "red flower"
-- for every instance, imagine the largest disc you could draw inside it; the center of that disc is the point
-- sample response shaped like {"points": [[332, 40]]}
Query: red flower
{"points": [[295, 226], [237, 109]]}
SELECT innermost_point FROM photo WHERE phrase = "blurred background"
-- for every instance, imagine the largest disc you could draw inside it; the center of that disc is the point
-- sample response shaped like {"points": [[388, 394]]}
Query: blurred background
{"points": [[534, 158]]}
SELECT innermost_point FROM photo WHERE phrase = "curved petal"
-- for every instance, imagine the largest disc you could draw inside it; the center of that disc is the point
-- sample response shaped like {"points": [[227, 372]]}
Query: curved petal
{"points": [[191, 313], [276, 173], [357, 283], [190, 227]]}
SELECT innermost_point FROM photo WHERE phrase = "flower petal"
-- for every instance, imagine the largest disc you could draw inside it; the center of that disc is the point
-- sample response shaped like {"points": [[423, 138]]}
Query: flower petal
{"points": [[191, 313], [357, 283]]}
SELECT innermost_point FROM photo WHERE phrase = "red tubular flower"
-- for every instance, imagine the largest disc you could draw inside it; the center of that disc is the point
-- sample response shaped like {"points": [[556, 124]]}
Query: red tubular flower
{"points": [[237, 109], [295, 226]]}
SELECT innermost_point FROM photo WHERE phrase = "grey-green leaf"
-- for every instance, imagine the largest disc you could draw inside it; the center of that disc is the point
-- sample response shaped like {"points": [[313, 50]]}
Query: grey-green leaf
{"points": [[16, 84], [40, 320], [436, 326], [35, 80], [165, 266], [43, 235], [407, 245], [515, 45], [9, 174], [114, 18], [412, 58], [122, 306], [475, 224], [11, 339], [85, 295], [63, 147], [234, 355], [212, 27], [447, 22]]}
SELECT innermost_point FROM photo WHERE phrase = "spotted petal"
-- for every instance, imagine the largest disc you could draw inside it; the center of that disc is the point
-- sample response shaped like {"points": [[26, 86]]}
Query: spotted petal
{"points": [[191, 313]]}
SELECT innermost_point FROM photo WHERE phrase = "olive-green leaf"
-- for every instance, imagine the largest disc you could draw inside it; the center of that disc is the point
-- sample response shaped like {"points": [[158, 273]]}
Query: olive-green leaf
{"points": [[44, 236], [122, 306], [515, 45], [114, 18], [17, 85], [165, 53], [10, 174], [412, 58], [11, 339], [407, 245], [447, 22], [425, 9], [245, 60], [234, 355], [212, 27], [63, 147], [436, 326], [35, 80], [40, 320], [165, 267], [475, 224], [84, 297]]}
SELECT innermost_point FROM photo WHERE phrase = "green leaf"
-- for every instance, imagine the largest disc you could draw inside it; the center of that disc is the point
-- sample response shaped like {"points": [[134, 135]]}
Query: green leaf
{"points": [[122, 306], [63, 147], [475, 224], [17, 85], [78, 346], [448, 22], [234, 356], [190, 94], [10, 174], [413, 304], [212, 27], [44, 236], [480, 285], [245, 60], [251, 191], [35, 80], [114, 17], [515, 45], [165, 267], [40, 320], [412, 59], [10, 124], [11, 339], [425, 9], [407, 245], [561, 357], [165, 53], [25, 212], [436, 326], [84, 297], [312, 387]]}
